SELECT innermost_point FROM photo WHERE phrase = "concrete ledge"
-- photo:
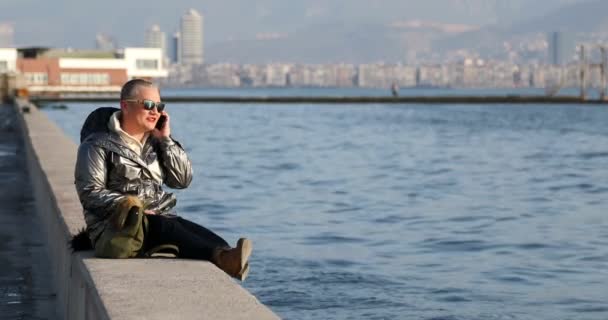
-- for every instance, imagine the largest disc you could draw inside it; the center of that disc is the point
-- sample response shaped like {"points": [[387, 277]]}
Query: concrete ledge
{"points": [[92, 288]]}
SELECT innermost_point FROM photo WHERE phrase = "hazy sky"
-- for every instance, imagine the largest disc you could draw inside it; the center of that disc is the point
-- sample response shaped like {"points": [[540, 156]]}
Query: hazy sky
{"points": [[74, 23]]}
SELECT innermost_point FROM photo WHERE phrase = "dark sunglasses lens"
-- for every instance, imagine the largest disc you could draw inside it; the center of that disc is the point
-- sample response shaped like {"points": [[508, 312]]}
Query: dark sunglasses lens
{"points": [[148, 104], [160, 106]]}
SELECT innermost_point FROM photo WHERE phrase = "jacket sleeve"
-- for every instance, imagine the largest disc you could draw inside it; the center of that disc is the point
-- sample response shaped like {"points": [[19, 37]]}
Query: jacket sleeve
{"points": [[177, 168], [90, 175]]}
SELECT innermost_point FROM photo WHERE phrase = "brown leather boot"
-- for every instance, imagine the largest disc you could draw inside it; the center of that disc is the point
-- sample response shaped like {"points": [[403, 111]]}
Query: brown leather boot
{"points": [[234, 261]]}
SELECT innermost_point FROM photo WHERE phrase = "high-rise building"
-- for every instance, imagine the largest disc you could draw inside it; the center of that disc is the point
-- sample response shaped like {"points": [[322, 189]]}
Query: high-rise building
{"points": [[155, 38], [6, 35], [562, 48], [175, 51], [191, 44]]}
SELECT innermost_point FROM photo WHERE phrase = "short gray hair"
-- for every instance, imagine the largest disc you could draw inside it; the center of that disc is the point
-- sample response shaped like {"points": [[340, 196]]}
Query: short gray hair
{"points": [[131, 88]]}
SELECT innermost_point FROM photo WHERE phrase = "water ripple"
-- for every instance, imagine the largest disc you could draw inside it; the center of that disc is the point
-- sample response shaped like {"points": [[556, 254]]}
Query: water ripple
{"points": [[592, 155], [328, 238], [281, 167], [439, 245]]}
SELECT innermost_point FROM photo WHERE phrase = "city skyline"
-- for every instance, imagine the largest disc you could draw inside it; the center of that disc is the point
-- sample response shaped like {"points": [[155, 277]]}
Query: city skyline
{"points": [[324, 31], [525, 62]]}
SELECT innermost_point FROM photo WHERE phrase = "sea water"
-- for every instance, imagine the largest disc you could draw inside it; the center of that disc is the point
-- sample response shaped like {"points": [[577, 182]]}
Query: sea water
{"points": [[404, 211]]}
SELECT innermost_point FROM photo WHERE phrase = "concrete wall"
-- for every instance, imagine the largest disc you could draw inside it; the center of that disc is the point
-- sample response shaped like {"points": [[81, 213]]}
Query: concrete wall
{"points": [[92, 288]]}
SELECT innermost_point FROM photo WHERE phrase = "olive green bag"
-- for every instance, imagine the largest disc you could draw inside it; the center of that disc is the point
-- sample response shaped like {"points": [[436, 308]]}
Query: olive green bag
{"points": [[125, 231], [124, 234]]}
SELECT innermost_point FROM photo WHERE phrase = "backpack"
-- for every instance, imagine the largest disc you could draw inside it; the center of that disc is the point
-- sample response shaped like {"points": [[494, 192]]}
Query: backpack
{"points": [[124, 234], [97, 121]]}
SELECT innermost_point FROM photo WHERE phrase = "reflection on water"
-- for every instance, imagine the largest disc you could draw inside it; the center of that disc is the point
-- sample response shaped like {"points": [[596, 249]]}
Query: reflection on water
{"points": [[423, 212]]}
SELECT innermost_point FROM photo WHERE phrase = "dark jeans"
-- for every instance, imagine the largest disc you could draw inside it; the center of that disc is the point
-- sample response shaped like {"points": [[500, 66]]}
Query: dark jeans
{"points": [[194, 241]]}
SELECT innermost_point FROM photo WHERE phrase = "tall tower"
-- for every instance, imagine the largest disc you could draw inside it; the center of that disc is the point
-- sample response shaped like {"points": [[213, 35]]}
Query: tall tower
{"points": [[191, 38], [176, 54], [155, 38]]}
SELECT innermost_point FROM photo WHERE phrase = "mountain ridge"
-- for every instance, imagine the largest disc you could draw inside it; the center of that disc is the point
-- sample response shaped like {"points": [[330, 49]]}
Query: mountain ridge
{"points": [[384, 42], [241, 19]]}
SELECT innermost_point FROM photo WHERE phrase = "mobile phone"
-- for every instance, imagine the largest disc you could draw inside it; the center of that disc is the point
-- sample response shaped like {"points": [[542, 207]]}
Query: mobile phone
{"points": [[161, 122]]}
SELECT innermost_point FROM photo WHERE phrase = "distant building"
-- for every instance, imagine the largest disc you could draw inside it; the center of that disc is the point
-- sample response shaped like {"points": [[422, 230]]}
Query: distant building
{"points": [[345, 75], [90, 70], [384, 75], [144, 63], [432, 76], [6, 35], [216, 75], [155, 38], [8, 60], [191, 48], [275, 75], [104, 42], [562, 48], [175, 50], [252, 75]]}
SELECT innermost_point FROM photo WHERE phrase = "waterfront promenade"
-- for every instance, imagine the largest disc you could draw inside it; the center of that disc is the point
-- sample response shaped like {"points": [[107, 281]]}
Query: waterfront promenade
{"points": [[26, 290], [87, 287]]}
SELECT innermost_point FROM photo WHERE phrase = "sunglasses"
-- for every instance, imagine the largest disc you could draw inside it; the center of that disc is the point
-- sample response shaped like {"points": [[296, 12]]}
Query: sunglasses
{"points": [[149, 104]]}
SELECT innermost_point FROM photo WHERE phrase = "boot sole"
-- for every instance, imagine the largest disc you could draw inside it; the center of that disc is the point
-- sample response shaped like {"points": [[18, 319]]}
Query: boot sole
{"points": [[245, 246], [244, 273]]}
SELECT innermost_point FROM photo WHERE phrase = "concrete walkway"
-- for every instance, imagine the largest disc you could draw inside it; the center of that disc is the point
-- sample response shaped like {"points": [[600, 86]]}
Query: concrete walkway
{"points": [[25, 278]]}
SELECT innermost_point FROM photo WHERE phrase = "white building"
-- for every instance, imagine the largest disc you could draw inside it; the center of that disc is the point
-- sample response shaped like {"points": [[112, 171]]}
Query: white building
{"points": [[191, 41], [8, 60], [144, 63], [276, 75]]}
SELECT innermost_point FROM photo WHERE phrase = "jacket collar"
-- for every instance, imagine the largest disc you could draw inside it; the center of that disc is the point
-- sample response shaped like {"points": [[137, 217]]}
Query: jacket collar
{"points": [[111, 141], [114, 125]]}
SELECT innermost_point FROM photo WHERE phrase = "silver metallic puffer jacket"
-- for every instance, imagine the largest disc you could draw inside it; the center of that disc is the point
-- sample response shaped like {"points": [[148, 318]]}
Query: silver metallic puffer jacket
{"points": [[107, 170]]}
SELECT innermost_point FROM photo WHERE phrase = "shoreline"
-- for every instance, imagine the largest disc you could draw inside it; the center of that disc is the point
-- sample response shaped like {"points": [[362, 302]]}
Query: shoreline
{"points": [[498, 99]]}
